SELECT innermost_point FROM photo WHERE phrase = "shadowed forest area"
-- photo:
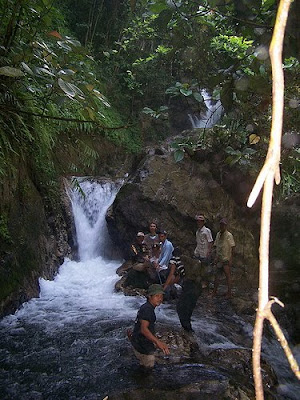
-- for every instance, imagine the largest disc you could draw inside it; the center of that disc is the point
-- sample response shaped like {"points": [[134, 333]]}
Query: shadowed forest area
{"points": [[93, 88]]}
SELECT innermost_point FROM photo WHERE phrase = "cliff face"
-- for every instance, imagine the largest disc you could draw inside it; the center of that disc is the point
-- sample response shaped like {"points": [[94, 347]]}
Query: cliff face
{"points": [[35, 239], [171, 194]]}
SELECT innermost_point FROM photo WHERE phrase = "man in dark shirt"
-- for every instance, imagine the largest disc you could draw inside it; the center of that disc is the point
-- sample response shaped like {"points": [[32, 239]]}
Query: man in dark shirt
{"points": [[143, 337]]}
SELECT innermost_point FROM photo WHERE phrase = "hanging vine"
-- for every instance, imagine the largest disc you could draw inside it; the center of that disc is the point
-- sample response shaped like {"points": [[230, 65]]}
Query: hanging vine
{"points": [[266, 177]]}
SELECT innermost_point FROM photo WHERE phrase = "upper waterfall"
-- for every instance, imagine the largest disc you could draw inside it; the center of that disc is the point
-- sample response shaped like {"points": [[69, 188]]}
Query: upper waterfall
{"points": [[211, 116]]}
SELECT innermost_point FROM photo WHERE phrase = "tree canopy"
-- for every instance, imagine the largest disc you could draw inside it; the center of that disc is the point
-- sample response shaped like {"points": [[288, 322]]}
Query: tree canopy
{"points": [[75, 66]]}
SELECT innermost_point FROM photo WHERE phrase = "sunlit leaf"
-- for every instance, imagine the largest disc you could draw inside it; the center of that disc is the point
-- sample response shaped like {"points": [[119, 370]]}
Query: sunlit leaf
{"points": [[89, 87], [147, 110], [254, 139], [198, 97], [186, 92], [55, 34], [73, 42], [66, 87], [26, 68], [63, 45], [178, 155], [44, 71], [10, 71]]}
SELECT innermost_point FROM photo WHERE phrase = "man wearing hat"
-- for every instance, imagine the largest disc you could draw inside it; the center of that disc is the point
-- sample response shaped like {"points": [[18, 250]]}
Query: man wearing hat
{"points": [[139, 253], [204, 240], [224, 245], [143, 337]]}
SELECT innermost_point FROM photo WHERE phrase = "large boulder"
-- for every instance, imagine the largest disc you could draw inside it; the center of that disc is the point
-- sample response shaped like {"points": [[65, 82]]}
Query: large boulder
{"points": [[170, 194]]}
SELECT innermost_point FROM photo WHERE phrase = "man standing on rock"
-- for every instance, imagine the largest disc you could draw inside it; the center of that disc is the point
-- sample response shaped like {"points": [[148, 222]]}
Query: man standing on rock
{"points": [[224, 245], [204, 240], [143, 337]]}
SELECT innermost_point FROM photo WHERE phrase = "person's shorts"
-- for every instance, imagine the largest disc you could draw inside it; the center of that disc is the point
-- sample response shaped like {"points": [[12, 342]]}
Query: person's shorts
{"points": [[146, 360]]}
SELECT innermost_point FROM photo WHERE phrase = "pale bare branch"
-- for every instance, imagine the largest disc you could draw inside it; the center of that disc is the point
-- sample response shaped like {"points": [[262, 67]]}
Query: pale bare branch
{"points": [[268, 174]]}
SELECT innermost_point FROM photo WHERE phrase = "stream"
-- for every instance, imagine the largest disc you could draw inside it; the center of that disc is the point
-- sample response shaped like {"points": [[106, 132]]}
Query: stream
{"points": [[70, 342]]}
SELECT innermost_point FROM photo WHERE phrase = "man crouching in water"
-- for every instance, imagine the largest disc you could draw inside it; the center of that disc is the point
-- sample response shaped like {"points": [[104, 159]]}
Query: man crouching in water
{"points": [[143, 337]]}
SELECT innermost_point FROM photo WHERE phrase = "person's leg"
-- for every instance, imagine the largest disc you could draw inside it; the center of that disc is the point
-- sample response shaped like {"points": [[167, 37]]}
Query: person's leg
{"points": [[186, 304], [217, 278], [228, 279]]}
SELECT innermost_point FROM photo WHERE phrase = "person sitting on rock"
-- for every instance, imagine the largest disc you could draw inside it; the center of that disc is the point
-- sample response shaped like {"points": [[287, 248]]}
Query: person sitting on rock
{"points": [[151, 238], [139, 253], [142, 273], [155, 253], [143, 337], [166, 250]]}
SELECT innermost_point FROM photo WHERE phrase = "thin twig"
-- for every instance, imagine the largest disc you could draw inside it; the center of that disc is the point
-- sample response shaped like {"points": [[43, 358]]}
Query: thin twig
{"points": [[79, 121], [284, 344]]}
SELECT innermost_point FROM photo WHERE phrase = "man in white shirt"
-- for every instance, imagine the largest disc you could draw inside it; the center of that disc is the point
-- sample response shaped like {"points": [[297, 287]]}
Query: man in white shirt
{"points": [[204, 240]]}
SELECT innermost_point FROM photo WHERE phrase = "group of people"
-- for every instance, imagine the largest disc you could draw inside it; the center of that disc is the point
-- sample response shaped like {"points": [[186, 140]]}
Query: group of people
{"points": [[155, 255]]}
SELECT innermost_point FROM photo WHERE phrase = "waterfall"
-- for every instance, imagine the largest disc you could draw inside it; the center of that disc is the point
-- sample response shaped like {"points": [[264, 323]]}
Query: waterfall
{"points": [[82, 287], [211, 116], [89, 208]]}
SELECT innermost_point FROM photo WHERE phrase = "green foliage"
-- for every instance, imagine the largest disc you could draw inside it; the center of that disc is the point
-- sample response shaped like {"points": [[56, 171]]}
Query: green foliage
{"points": [[46, 72], [76, 186], [233, 46], [161, 113], [242, 157]]}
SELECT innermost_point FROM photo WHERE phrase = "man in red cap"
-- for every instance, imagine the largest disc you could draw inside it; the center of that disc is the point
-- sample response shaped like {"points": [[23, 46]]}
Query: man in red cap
{"points": [[224, 245]]}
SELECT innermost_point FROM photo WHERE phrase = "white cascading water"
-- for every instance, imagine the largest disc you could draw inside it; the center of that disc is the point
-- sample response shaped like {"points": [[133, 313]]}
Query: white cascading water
{"points": [[82, 287], [211, 116]]}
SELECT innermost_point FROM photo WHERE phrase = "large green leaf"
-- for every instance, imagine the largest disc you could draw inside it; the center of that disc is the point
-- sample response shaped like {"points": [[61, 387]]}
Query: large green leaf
{"points": [[186, 92], [66, 87], [178, 155], [12, 72], [197, 96]]}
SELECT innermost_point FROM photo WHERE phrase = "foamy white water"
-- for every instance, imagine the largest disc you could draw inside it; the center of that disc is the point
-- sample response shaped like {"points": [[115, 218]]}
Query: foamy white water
{"points": [[83, 289]]}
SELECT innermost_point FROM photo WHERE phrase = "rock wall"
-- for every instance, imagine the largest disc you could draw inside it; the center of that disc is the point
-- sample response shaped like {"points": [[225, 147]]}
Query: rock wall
{"points": [[37, 239]]}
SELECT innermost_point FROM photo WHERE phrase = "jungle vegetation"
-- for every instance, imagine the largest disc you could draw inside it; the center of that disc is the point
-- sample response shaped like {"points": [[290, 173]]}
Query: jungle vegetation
{"points": [[125, 70]]}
